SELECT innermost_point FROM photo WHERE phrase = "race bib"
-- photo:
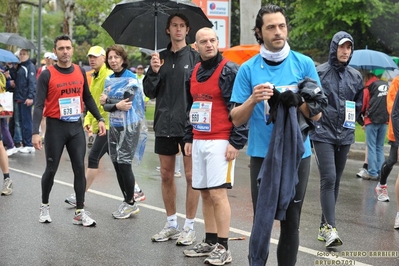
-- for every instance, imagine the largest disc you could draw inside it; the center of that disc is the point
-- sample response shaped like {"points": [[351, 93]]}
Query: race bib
{"points": [[200, 116], [350, 115], [70, 109]]}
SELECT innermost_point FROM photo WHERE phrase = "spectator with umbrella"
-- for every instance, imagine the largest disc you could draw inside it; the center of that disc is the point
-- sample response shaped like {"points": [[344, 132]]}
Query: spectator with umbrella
{"points": [[165, 81]]}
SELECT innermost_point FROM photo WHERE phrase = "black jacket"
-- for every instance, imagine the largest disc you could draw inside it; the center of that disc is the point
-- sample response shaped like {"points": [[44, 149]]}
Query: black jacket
{"points": [[238, 135], [340, 83], [167, 86]]}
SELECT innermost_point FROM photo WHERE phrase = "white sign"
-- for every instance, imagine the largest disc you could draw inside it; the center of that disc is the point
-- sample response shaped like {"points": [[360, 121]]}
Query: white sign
{"points": [[219, 26], [216, 8]]}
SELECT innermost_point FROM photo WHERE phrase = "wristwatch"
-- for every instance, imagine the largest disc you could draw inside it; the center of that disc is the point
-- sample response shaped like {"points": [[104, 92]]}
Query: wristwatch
{"points": [[101, 120]]}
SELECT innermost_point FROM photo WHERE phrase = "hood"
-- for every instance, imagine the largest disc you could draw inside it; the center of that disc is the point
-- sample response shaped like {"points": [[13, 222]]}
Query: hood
{"points": [[332, 58]]}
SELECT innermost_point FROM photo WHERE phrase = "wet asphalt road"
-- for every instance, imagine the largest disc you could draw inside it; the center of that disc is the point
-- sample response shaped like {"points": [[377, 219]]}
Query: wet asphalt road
{"points": [[364, 224]]}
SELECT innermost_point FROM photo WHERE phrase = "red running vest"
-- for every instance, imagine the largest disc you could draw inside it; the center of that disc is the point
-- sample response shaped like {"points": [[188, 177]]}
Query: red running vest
{"points": [[63, 86], [210, 91]]}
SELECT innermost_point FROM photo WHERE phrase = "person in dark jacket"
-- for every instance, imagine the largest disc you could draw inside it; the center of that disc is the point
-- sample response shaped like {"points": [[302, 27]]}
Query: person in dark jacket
{"points": [[165, 81], [24, 95], [213, 142], [334, 132]]}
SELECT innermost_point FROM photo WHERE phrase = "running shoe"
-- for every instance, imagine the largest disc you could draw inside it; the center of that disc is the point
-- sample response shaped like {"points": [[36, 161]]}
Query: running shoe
{"points": [[83, 218], [187, 237], [330, 235], [71, 200], [126, 211], [139, 196], [396, 226], [168, 232], [200, 250], [367, 176], [219, 256], [119, 209], [382, 193], [27, 150], [362, 172], [177, 174], [11, 151], [7, 187], [44, 216]]}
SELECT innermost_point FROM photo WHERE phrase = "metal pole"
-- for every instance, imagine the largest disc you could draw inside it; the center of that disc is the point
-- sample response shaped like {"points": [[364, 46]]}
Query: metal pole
{"points": [[32, 27], [39, 33]]}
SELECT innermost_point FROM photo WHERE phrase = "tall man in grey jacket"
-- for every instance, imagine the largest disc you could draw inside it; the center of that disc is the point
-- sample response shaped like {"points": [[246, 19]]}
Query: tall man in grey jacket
{"points": [[165, 81], [334, 132]]}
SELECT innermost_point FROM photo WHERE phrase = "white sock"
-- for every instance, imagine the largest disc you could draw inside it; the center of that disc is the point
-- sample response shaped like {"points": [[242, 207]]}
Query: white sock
{"points": [[189, 223], [397, 214], [136, 188], [172, 220]]}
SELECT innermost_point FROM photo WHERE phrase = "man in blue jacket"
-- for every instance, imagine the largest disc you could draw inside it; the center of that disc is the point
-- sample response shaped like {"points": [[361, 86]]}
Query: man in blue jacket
{"points": [[24, 95]]}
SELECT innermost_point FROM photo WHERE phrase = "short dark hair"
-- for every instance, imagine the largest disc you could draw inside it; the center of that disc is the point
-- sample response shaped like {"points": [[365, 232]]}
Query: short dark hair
{"points": [[180, 15], [61, 38], [268, 9], [119, 51]]}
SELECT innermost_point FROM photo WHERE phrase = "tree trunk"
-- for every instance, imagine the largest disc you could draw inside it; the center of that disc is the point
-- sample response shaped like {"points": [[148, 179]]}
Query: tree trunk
{"points": [[248, 11], [12, 16], [68, 6]]}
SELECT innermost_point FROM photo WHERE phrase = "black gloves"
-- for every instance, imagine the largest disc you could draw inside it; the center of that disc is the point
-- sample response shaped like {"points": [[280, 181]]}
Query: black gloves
{"points": [[273, 103], [289, 99]]}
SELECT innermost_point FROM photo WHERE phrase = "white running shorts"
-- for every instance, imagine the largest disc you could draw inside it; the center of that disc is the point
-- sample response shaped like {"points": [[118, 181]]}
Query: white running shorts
{"points": [[210, 167]]}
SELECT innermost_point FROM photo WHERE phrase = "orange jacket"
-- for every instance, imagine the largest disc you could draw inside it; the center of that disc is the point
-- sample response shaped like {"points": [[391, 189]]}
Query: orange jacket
{"points": [[393, 89]]}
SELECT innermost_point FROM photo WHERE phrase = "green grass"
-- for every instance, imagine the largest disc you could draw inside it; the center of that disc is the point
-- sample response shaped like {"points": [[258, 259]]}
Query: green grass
{"points": [[360, 135], [149, 112]]}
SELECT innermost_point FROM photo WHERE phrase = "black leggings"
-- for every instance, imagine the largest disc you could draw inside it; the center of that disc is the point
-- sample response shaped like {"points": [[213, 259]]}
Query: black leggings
{"points": [[288, 244], [126, 180], [100, 147], [58, 135], [331, 160], [387, 166]]}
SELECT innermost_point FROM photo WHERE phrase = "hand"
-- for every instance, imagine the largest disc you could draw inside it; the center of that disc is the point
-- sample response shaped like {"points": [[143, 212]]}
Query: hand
{"points": [[101, 128], [28, 102], [289, 99], [88, 129], [103, 99], [156, 62], [37, 141], [188, 148], [124, 105], [231, 153], [262, 92]]}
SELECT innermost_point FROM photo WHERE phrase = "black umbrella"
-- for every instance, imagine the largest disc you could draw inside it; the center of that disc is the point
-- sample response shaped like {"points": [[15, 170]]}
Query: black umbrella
{"points": [[17, 40], [142, 23]]}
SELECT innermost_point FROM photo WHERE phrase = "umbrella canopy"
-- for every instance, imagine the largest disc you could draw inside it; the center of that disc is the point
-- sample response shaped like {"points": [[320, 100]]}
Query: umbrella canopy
{"points": [[142, 23], [241, 53], [17, 40], [366, 59], [395, 59], [8, 57]]}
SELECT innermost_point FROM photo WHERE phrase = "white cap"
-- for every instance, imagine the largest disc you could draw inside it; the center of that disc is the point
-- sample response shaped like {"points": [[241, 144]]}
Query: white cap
{"points": [[344, 40]]}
